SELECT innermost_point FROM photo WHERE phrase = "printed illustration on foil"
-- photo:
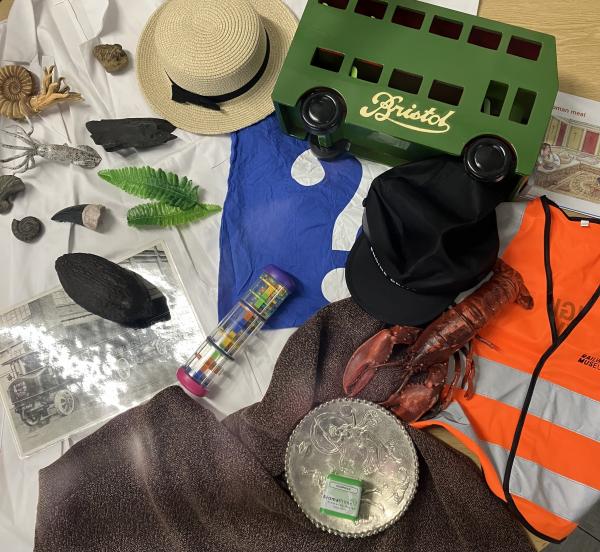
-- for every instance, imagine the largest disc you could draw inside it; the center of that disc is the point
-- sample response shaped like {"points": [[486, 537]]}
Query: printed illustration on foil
{"points": [[569, 160]]}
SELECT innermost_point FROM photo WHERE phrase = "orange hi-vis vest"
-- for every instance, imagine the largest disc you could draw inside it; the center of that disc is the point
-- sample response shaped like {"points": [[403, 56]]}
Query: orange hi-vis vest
{"points": [[534, 421]]}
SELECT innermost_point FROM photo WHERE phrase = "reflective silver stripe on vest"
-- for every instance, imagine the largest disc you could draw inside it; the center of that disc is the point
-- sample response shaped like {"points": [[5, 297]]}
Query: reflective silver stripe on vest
{"points": [[560, 495], [550, 402]]}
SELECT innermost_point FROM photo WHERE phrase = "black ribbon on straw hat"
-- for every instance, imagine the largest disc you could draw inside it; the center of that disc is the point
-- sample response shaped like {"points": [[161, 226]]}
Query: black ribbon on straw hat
{"points": [[183, 96]]}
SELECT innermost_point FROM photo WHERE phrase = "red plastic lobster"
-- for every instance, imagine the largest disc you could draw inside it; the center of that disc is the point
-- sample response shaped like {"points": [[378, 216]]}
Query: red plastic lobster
{"points": [[429, 350]]}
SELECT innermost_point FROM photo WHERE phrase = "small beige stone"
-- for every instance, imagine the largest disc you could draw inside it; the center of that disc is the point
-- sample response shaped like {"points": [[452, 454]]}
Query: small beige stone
{"points": [[111, 56]]}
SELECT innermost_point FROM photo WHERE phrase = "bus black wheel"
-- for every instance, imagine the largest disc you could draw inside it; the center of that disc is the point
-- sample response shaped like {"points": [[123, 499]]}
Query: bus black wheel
{"points": [[489, 159], [322, 111], [327, 153]]}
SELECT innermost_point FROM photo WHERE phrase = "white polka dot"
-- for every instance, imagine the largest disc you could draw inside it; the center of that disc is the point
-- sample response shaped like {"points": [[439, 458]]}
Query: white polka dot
{"points": [[307, 170], [334, 286]]}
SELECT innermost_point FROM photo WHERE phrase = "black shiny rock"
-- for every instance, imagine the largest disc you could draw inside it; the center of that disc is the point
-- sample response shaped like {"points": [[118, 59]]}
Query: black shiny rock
{"points": [[116, 134], [110, 291]]}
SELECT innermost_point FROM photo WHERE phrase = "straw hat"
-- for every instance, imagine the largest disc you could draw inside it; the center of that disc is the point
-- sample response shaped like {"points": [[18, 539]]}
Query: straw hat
{"points": [[209, 66]]}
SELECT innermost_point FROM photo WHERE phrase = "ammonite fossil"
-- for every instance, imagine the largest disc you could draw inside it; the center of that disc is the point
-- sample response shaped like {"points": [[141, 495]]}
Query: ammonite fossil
{"points": [[17, 99], [27, 230], [10, 186], [16, 89]]}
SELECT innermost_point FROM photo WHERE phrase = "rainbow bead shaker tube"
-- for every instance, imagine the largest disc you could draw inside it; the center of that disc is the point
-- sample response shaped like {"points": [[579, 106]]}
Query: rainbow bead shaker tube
{"points": [[248, 315]]}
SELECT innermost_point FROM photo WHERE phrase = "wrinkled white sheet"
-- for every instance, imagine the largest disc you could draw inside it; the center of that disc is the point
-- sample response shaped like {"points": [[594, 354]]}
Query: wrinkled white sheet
{"points": [[63, 32]]}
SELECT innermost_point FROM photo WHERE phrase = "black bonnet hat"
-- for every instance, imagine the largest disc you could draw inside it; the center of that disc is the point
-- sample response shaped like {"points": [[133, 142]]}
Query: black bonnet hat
{"points": [[429, 233]]}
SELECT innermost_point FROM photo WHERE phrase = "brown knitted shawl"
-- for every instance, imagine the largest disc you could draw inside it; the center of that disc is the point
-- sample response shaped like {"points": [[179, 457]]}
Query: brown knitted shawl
{"points": [[168, 476]]}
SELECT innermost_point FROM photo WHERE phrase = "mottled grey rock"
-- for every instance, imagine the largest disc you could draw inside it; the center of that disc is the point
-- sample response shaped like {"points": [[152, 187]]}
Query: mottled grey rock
{"points": [[10, 186]]}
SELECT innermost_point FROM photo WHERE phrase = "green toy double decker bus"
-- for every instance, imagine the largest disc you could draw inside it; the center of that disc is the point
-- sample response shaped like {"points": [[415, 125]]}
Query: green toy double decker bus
{"points": [[402, 80]]}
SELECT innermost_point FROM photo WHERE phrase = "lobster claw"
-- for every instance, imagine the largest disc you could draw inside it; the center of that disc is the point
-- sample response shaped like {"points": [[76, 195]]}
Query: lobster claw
{"points": [[373, 354], [412, 401]]}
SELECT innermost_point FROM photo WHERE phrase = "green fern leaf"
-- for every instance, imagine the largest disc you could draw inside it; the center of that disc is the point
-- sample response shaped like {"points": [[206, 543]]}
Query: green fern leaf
{"points": [[149, 183], [160, 214]]}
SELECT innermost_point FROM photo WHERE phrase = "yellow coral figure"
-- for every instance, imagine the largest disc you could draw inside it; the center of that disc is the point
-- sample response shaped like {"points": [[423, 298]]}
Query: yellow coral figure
{"points": [[16, 92]]}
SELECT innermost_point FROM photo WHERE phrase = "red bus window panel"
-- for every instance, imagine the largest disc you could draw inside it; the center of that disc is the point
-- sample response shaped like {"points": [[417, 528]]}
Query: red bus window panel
{"points": [[485, 38], [367, 70], [327, 59], [371, 8], [445, 92], [524, 48], [340, 4], [408, 82], [446, 27], [408, 18]]}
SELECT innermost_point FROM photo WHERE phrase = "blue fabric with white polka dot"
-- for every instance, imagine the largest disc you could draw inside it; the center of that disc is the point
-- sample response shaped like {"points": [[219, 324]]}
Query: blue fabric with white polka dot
{"points": [[287, 208]]}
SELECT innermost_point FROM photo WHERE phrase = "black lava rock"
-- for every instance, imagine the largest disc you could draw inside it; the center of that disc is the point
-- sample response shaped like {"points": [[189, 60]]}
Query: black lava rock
{"points": [[116, 134], [110, 291]]}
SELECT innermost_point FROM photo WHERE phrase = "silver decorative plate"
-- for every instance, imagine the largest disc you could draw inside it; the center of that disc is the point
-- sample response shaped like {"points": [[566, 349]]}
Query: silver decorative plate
{"points": [[360, 440]]}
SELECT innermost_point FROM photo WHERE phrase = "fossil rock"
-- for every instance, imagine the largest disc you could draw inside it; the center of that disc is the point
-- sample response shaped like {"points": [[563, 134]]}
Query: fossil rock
{"points": [[10, 186], [116, 134], [111, 291], [17, 99], [111, 56], [16, 88], [88, 215], [27, 230]]}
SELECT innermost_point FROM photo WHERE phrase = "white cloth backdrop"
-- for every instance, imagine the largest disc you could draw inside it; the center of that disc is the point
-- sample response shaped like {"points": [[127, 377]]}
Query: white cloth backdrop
{"points": [[63, 32]]}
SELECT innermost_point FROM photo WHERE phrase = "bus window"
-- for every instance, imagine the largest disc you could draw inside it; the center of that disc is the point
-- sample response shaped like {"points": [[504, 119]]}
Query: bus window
{"points": [[485, 38], [524, 48], [522, 106], [366, 70], [446, 27], [371, 8], [408, 82], [408, 18], [444, 92], [340, 4], [494, 98], [327, 59]]}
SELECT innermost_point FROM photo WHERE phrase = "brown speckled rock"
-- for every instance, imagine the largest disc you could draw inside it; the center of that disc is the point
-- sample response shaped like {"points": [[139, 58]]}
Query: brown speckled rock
{"points": [[112, 56]]}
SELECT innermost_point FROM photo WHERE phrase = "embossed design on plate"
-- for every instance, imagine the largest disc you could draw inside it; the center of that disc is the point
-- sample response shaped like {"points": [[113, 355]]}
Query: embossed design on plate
{"points": [[357, 439]]}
